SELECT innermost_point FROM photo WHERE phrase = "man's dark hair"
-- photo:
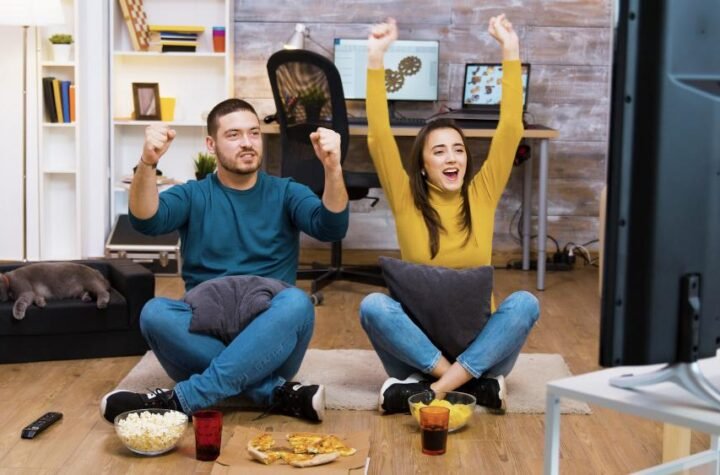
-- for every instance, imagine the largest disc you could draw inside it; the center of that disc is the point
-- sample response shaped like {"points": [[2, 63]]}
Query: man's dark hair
{"points": [[228, 106]]}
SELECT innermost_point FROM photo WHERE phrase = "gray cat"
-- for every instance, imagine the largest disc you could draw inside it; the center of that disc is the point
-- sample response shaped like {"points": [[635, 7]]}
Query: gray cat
{"points": [[33, 283]]}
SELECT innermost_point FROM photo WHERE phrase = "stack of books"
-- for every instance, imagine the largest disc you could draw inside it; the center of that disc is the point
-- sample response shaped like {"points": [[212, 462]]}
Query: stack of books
{"points": [[59, 100], [174, 38]]}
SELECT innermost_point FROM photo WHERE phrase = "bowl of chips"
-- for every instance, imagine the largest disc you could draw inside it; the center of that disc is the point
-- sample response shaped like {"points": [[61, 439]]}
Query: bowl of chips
{"points": [[461, 406], [151, 431]]}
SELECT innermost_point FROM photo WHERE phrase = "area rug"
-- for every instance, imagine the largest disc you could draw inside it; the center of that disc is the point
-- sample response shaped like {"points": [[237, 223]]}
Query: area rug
{"points": [[353, 378]]}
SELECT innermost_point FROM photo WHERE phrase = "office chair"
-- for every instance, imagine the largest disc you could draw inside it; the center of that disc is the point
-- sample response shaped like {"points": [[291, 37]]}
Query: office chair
{"points": [[308, 94]]}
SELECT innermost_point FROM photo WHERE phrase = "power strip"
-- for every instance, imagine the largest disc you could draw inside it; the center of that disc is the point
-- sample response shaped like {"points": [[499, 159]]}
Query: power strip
{"points": [[559, 262]]}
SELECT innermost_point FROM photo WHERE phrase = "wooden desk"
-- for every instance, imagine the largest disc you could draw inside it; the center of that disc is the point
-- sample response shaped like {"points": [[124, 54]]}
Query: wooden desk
{"points": [[534, 132]]}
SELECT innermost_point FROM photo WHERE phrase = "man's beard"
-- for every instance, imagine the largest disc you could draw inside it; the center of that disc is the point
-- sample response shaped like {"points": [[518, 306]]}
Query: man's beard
{"points": [[241, 168]]}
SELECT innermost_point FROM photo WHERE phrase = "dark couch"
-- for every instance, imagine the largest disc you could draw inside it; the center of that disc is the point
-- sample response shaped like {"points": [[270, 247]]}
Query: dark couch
{"points": [[70, 329]]}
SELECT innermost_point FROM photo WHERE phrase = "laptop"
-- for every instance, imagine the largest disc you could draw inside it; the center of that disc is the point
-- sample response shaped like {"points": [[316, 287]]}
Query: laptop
{"points": [[482, 90]]}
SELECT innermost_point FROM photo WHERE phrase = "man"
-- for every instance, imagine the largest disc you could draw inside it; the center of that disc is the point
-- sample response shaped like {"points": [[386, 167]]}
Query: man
{"points": [[239, 221]]}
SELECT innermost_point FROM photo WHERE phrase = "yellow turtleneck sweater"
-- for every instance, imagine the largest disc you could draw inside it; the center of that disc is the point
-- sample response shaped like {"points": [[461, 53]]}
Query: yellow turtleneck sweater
{"points": [[484, 191]]}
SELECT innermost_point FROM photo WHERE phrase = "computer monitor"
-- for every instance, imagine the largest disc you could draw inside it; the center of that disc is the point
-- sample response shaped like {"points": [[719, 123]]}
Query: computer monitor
{"points": [[482, 89], [661, 279], [414, 66]]}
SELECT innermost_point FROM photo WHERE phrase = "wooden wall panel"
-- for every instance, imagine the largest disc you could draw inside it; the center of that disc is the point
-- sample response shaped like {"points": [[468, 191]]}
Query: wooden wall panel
{"points": [[343, 11], [565, 13], [568, 43]]}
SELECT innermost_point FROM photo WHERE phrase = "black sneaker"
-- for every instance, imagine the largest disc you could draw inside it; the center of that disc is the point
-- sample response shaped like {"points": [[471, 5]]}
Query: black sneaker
{"points": [[394, 393], [298, 400], [117, 402], [489, 392]]}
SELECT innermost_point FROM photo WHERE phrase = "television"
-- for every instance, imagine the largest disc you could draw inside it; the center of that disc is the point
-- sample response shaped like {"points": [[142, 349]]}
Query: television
{"points": [[413, 66], [661, 279]]}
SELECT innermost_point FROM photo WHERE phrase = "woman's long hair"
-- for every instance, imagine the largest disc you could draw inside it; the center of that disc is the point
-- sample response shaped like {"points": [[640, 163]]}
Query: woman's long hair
{"points": [[419, 185]]}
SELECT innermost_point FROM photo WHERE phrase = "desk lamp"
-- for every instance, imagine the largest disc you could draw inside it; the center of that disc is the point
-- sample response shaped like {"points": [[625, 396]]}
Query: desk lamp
{"points": [[297, 39]]}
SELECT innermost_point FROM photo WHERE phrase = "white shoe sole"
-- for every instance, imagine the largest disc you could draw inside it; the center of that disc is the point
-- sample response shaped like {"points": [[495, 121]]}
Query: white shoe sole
{"points": [[502, 394], [413, 378], [318, 402]]}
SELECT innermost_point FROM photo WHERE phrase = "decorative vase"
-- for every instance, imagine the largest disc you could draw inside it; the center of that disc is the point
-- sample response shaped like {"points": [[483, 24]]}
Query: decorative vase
{"points": [[61, 53], [167, 109], [312, 112]]}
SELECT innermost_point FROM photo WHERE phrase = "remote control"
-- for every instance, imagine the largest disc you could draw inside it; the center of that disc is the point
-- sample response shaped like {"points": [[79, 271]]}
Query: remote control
{"points": [[45, 421]]}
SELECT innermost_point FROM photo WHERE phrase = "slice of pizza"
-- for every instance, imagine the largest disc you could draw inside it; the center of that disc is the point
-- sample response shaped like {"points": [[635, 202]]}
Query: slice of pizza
{"points": [[262, 441], [303, 442], [263, 449], [260, 448], [331, 443], [313, 461]]}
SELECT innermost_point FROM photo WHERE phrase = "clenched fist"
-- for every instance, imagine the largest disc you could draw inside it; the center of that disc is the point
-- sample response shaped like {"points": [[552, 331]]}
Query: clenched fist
{"points": [[502, 30], [158, 138], [326, 143], [381, 36]]}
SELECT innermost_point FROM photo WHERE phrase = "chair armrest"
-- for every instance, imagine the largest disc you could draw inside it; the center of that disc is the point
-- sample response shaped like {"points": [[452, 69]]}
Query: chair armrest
{"points": [[134, 282]]}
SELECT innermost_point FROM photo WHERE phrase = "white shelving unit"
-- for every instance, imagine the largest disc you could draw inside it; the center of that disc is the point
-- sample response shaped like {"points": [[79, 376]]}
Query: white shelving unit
{"points": [[59, 153], [197, 81]]}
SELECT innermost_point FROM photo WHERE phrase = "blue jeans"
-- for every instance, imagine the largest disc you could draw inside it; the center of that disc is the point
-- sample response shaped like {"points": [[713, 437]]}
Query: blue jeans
{"points": [[264, 355], [404, 349]]}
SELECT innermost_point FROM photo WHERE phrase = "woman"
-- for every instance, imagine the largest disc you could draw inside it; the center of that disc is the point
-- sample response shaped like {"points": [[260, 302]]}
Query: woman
{"points": [[445, 218]]}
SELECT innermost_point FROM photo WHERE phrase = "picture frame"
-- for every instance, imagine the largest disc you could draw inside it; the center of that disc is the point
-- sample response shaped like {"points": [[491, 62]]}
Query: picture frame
{"points": [[146, 100]]}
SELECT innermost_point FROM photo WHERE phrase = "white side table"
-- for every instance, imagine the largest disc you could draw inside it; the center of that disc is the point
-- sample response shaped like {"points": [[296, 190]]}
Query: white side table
{"points": [[663, 402]]}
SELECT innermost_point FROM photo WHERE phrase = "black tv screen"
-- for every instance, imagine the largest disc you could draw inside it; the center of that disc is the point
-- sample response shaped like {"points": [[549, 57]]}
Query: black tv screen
{"points": [[661, 280]]}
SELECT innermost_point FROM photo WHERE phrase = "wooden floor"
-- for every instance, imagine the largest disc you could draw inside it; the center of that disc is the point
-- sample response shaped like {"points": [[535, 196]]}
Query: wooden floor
{"points": [[604, 442]]}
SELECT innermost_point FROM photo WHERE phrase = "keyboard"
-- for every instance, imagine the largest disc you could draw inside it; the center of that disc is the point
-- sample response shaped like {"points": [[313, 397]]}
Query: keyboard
{"points": [[395, 121], [408, 121]]}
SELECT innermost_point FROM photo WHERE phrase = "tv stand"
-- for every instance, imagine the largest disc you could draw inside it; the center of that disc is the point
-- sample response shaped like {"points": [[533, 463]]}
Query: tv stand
{"points": [[686, 375], [685, 371], [665, 403]]}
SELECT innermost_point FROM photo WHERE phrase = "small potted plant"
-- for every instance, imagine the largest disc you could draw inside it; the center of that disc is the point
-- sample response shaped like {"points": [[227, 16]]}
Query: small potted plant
{"points": [[61, 44], [205, 163], [313, 100]]}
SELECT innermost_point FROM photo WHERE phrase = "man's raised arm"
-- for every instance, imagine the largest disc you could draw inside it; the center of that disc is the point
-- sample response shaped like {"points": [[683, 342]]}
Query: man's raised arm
{"points": [[326, 143], [144, 201]]}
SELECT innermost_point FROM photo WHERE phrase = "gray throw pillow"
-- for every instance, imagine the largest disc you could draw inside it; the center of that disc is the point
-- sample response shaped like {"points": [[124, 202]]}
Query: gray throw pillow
{"points": [[451, 306], [224, 306]]}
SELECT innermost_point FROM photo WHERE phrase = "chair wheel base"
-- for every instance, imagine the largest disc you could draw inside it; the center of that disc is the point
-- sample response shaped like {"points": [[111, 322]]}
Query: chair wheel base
{"points": [[317, 298]]}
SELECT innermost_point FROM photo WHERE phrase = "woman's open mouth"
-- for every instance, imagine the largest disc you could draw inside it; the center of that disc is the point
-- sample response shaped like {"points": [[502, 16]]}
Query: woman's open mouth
{"points": [[451, 174]]}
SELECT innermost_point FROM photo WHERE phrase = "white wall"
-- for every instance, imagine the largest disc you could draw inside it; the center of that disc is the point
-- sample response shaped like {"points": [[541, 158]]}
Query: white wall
{"points": [[11, 179], [93, 147], [94, 133]]}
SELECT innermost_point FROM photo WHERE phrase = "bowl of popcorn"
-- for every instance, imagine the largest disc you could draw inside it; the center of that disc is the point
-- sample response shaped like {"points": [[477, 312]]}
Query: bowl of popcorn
{"points": [[151, 431], [461, 406]]}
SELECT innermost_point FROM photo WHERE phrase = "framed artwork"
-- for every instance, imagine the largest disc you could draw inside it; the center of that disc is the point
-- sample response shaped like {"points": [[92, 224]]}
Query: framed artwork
{"points": [[136, 21], [146, 99]]}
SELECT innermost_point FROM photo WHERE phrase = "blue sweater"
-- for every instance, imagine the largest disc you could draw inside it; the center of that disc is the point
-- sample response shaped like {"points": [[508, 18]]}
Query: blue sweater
{"points": [[251, 232]]}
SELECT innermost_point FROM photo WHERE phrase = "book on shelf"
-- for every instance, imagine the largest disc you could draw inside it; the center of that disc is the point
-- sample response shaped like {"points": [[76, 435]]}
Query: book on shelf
{"points": [[176, 28], [65, 95], [171, 46], [156, 36], [49, 99], [178, 49], [57, 100], [72, 102]]}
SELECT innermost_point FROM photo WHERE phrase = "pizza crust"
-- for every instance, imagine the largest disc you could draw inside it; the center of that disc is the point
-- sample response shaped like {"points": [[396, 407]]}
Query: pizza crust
{"points": [[319, 459], [306, 449]]}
